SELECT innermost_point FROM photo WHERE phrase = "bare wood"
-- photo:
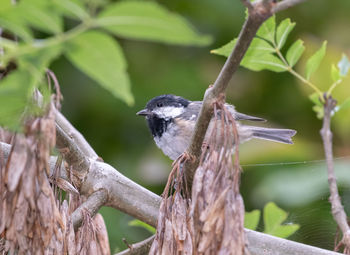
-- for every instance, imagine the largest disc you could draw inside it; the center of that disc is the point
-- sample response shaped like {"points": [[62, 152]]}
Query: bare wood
{"points": [[144, 205], [338, 212], [283, 5], [139, 248], [93, 203]]}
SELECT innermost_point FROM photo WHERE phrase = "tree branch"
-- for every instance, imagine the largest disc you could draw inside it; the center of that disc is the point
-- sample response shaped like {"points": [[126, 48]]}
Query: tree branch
{"points": [[283, 5], [139, 202], [94, 202], [261, 11], [338, 212], [140, 248], [96, 176]]}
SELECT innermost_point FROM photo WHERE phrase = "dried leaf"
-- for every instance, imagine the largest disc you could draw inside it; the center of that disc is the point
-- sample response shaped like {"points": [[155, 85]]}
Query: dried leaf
{"points": [[16, 162], [66, 186], [101, 234]]}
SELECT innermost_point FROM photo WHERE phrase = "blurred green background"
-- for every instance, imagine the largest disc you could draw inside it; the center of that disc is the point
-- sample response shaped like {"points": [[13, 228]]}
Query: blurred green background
{"points": [[122, 139]]}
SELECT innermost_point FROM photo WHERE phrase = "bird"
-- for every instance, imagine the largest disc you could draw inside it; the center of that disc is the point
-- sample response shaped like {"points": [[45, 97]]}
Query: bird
{"points": [[171, 120]]}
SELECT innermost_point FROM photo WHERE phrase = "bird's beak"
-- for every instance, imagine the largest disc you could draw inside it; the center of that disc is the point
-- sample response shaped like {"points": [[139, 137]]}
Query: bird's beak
{"points": [[144, 112]]}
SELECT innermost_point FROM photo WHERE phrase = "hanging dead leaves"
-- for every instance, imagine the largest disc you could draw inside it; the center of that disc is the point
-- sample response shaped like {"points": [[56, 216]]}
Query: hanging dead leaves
{"points": [[211, 220], [33, 217]]}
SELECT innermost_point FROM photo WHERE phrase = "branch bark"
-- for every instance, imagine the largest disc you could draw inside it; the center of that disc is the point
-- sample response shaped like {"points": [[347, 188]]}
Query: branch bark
{"points": [[140, 248], [139, 202], [258, 13], [338, 212]]}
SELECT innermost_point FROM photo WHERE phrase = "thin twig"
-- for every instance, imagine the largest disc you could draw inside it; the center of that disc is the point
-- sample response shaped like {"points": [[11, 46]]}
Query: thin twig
{"points": [[138, 248], [94, 202], [283, 5], [338, 212]]}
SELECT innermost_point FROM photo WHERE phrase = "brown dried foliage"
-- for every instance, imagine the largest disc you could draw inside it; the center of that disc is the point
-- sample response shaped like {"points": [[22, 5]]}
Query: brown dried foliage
{"points": [[33, 219], [211, 221]]}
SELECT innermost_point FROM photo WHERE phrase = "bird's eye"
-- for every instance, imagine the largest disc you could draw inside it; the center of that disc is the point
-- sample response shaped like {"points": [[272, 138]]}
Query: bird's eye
{"points": [[159, 104]]}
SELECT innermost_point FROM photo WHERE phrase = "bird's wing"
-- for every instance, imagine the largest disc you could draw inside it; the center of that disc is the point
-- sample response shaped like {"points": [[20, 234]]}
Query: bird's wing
{"points": [[195, 106]]}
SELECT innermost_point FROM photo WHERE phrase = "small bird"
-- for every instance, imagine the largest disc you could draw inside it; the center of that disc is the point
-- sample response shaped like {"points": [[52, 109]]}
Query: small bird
{"points": [[171, 120]]}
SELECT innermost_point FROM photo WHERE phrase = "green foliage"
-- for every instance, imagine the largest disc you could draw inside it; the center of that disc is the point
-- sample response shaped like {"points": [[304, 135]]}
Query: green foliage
{"points": [[14, 98], [315, 60], [283, 30], [294, 52], [251, 219], [273, 221], [95, 53], [106, 65], [149, 21], [265, 53], [141, 224], [267, 30]]}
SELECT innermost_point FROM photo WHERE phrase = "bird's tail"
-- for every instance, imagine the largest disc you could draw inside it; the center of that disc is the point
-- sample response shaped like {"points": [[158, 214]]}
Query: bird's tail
{"points": [[274, 134]]}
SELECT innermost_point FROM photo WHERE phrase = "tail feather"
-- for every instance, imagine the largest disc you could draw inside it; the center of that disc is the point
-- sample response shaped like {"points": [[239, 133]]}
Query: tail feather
{"points": [[274, 134]]}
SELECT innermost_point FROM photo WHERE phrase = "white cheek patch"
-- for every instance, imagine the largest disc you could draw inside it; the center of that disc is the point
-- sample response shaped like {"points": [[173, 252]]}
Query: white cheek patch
{"points": [[169, 112]]}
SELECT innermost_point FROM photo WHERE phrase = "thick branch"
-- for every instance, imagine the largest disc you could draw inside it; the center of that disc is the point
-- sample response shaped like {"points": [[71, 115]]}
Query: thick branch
{"points": [[139, 202], [338, 212], [122, 193]]}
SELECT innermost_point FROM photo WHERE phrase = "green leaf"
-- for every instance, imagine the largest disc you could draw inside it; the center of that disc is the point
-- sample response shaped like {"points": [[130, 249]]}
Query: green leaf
{"points": [[267, 30], [257, 47], [344, 65], [37, 62], [40, 15], [100, 57], [72, 9], [251, 219], [13, 22], [283, 30], [335, 73], [13, 98], [149, 21], [314, 61], [138, 223], [315, 98], [294, 52], [273, 219], [264, 62]]}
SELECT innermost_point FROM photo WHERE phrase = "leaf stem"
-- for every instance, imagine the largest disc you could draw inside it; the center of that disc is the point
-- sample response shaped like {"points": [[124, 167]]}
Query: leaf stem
{"points": [[333, 86], [297, 75]]}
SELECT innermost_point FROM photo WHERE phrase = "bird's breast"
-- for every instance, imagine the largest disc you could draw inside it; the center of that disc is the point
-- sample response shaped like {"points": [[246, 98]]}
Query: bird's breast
{"points": [[176, 139]]}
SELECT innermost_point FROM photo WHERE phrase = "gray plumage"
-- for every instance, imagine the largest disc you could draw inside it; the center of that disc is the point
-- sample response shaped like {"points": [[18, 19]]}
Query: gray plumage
{"points": [[171, 120]]}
